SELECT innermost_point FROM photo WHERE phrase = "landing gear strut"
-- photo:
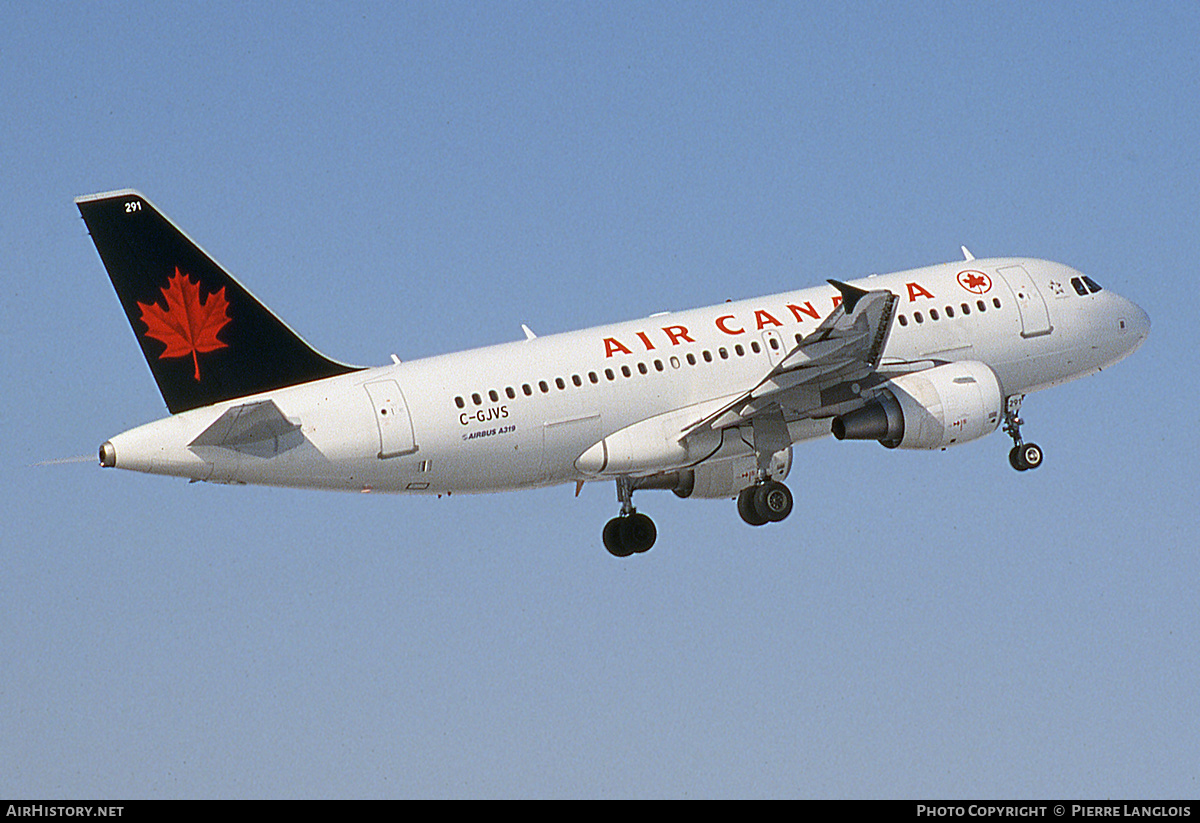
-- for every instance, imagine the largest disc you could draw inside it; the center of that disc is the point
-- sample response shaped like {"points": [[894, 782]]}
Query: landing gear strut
{"points": [[629, 532], [1023, 455], [767, 501]]}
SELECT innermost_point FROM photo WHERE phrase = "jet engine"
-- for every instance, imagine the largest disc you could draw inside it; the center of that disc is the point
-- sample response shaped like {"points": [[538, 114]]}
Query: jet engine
{"points": [[931, 409]]}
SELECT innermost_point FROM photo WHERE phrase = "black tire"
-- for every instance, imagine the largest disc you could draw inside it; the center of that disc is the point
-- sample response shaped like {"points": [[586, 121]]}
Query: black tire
{"points": [[747, 509], [1031, 455], [638, 533], [612, 538], [773, 501], [1014, 459]]}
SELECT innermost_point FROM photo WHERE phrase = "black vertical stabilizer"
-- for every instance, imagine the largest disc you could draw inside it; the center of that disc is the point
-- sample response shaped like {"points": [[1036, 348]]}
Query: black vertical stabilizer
{"points": [[205, 337]]}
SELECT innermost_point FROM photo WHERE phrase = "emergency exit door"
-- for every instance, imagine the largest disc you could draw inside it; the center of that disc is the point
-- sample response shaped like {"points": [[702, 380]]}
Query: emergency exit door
{"points": [[392, 419], [1035, 320]]}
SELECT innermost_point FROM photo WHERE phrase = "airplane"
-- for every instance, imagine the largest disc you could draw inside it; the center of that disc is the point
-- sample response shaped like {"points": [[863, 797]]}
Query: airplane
{"points": [[706, 403]]}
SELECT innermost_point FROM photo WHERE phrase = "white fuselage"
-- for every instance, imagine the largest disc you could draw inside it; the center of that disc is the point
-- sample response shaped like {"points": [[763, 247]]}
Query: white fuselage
{"points": [[520, 414]]}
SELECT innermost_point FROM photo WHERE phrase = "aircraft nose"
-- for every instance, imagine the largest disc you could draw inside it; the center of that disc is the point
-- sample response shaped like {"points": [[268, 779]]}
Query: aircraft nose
{"points": [[1135, 322]]}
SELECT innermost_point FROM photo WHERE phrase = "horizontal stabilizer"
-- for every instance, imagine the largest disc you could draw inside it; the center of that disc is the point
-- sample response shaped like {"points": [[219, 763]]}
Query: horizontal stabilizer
{"points": [[255, 428]]}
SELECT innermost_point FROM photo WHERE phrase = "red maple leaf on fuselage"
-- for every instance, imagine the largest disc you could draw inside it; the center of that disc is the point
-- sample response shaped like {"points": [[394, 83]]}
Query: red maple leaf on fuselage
{"points": [[188, 325]]}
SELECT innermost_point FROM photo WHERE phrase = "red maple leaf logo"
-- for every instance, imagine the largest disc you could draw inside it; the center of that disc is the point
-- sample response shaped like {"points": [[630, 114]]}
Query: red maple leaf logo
{"points": [[188, 325], [975, 281]]}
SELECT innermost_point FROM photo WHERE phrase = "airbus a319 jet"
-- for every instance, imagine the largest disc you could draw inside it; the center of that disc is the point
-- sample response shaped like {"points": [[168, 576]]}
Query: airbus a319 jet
{"points": [[706, 403]]}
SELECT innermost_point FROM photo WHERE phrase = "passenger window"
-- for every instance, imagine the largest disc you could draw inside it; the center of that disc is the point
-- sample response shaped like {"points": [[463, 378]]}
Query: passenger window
{"points": [[917, 316], [658, 366], [609, 374], [966, 308], [562, 384], [642, 368], [493, 396], [949, 311], [625, 371], [542, 385], [754, 347], [707, 356], [674, 362], [982, 306], [525, 387], [477, 400], [996, 302], [739, 350], [595, 378], [576, 380], [724, 352], [691, 358], [933, 315], [458, 401], [903, 320], [510, 393]]}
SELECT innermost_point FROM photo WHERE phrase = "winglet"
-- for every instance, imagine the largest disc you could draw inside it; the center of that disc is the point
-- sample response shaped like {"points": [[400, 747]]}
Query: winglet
{"points": [[850, 294]]}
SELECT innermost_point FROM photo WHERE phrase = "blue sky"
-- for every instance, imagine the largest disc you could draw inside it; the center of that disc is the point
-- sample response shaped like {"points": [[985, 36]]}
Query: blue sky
{"points": [[420, 178]]}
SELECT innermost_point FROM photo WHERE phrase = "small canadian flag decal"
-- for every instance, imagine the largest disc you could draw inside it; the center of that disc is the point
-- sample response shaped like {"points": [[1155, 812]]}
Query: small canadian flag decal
{"points": [[188, 325]]}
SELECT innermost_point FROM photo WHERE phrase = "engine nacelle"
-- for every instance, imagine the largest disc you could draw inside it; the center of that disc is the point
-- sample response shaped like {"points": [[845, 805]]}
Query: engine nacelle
{"points": [[931, 409]]}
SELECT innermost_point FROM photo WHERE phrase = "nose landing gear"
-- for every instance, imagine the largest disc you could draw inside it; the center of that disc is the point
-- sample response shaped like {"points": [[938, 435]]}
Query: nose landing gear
{"points": [[1022, 456]]}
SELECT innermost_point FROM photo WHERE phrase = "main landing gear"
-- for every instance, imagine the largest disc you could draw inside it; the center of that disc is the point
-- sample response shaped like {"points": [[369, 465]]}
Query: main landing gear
{"points": [[629, 532], [767, 501], [1022, 456]]}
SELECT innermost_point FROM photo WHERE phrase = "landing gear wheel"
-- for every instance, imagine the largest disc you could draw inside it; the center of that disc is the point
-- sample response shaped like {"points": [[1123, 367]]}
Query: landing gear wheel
{"points": [[1031, 455], [629, 534], [773, 501], [747, 509], [1025, 456], [1014, 459], [638, 532], [612, 538]]}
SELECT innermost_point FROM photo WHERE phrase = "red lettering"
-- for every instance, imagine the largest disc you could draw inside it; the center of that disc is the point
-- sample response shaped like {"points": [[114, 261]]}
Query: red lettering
{"points": [[612, 345], [837, 300], [677, 333], [721, 325], [807, 308], [915, 291], [646, 341], [763, 318]]}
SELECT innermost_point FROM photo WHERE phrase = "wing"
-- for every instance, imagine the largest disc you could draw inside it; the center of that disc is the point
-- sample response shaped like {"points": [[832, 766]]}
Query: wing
{"points": [[828, 368]]}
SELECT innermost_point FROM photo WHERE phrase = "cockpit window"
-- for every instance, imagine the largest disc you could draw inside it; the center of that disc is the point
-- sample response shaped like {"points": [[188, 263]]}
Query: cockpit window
{"points": [[1093, 287], [1080, 289]]}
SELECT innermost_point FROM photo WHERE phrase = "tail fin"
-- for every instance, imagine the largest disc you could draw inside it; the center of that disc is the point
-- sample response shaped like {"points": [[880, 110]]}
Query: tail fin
{"points": [[205, 337]]}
